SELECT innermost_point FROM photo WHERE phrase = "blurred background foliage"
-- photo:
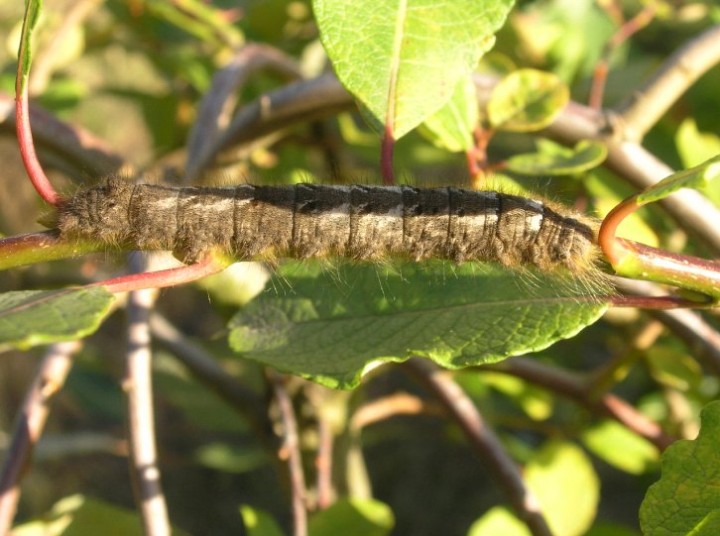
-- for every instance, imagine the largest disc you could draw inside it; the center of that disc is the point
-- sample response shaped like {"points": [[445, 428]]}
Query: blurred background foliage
{"points": [[133, 73]]}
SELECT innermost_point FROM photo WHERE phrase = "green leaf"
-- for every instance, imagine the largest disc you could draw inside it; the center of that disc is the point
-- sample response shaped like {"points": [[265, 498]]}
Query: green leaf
{"points": [[694, 146], [673, 367], [621, 448], [686, 500], [537, 403], [452, 126], [353, 517], [33, 8], [563, 479], [29, 318], [259, 523], [334, 324], [499, 520], [232, 458], [696, 177], [77, 515], [565, 484], [584, 156], [403, 59], [527, 100]]}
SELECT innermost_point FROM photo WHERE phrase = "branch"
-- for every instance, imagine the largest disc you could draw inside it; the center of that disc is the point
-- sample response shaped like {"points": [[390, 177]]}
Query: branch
{"points": [[567, 384], [701, 337], [81, 153], [462, 409], [290, 451], [648, 104], [29, 424], [137, 384], [219, 102]]}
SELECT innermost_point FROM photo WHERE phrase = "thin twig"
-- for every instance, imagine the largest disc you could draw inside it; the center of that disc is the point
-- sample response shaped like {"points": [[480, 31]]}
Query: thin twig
{"points": [[675, 76], [389, 406], [323, 463], [564, 383], [701, 337], [627, 29], [144, 470], [219, 101], [29, 424], [462, 409], [290, 451], [79, 153]]}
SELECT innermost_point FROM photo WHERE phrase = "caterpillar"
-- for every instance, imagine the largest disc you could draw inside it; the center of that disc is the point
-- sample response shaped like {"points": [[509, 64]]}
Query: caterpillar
{"points": [[360, 222]]}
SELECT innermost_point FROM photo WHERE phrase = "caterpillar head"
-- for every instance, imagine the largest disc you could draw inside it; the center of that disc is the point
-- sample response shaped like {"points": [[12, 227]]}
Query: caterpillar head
{"points": [[99, 213]]}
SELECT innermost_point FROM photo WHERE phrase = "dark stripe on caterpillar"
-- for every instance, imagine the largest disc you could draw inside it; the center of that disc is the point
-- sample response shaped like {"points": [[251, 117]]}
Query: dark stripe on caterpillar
{"points": [[364, 223]]}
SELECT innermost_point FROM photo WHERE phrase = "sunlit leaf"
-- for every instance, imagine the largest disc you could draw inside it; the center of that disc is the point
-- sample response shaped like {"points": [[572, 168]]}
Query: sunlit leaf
{"points": [[527, 100], [452, 126], [584, 156], [403, 59], [696, 177], [686, 500], [621, 448], [563, 479]]}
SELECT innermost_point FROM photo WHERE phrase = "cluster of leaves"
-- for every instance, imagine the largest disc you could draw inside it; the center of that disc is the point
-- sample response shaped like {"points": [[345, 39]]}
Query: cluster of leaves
{"points": [[138, 89]]}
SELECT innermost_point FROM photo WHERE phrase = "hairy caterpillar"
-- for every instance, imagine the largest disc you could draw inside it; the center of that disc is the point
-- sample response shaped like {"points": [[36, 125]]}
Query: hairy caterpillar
{"points": [[364, 223]]}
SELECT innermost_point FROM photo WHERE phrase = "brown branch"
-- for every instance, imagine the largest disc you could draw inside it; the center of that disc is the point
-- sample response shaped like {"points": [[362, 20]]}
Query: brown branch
{"points": [[273, 113], [290, 451], [74, 150], [219, 102], [386, 407], [570, 386], [462, 409], [137, 384], [701, 337], [29, 425], [648, 104]]}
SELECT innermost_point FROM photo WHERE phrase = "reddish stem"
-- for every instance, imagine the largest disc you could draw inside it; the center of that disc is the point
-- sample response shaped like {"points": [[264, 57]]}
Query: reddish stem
{"points": [[610, 246], [27, 148], [626, 30], [386, 157], [164, 278]]}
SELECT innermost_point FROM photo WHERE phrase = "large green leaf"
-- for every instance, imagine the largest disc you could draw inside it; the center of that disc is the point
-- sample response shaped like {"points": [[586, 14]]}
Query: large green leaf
{"points": [[331, 325], [29, 318], [686, 500], [402, 59]]}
